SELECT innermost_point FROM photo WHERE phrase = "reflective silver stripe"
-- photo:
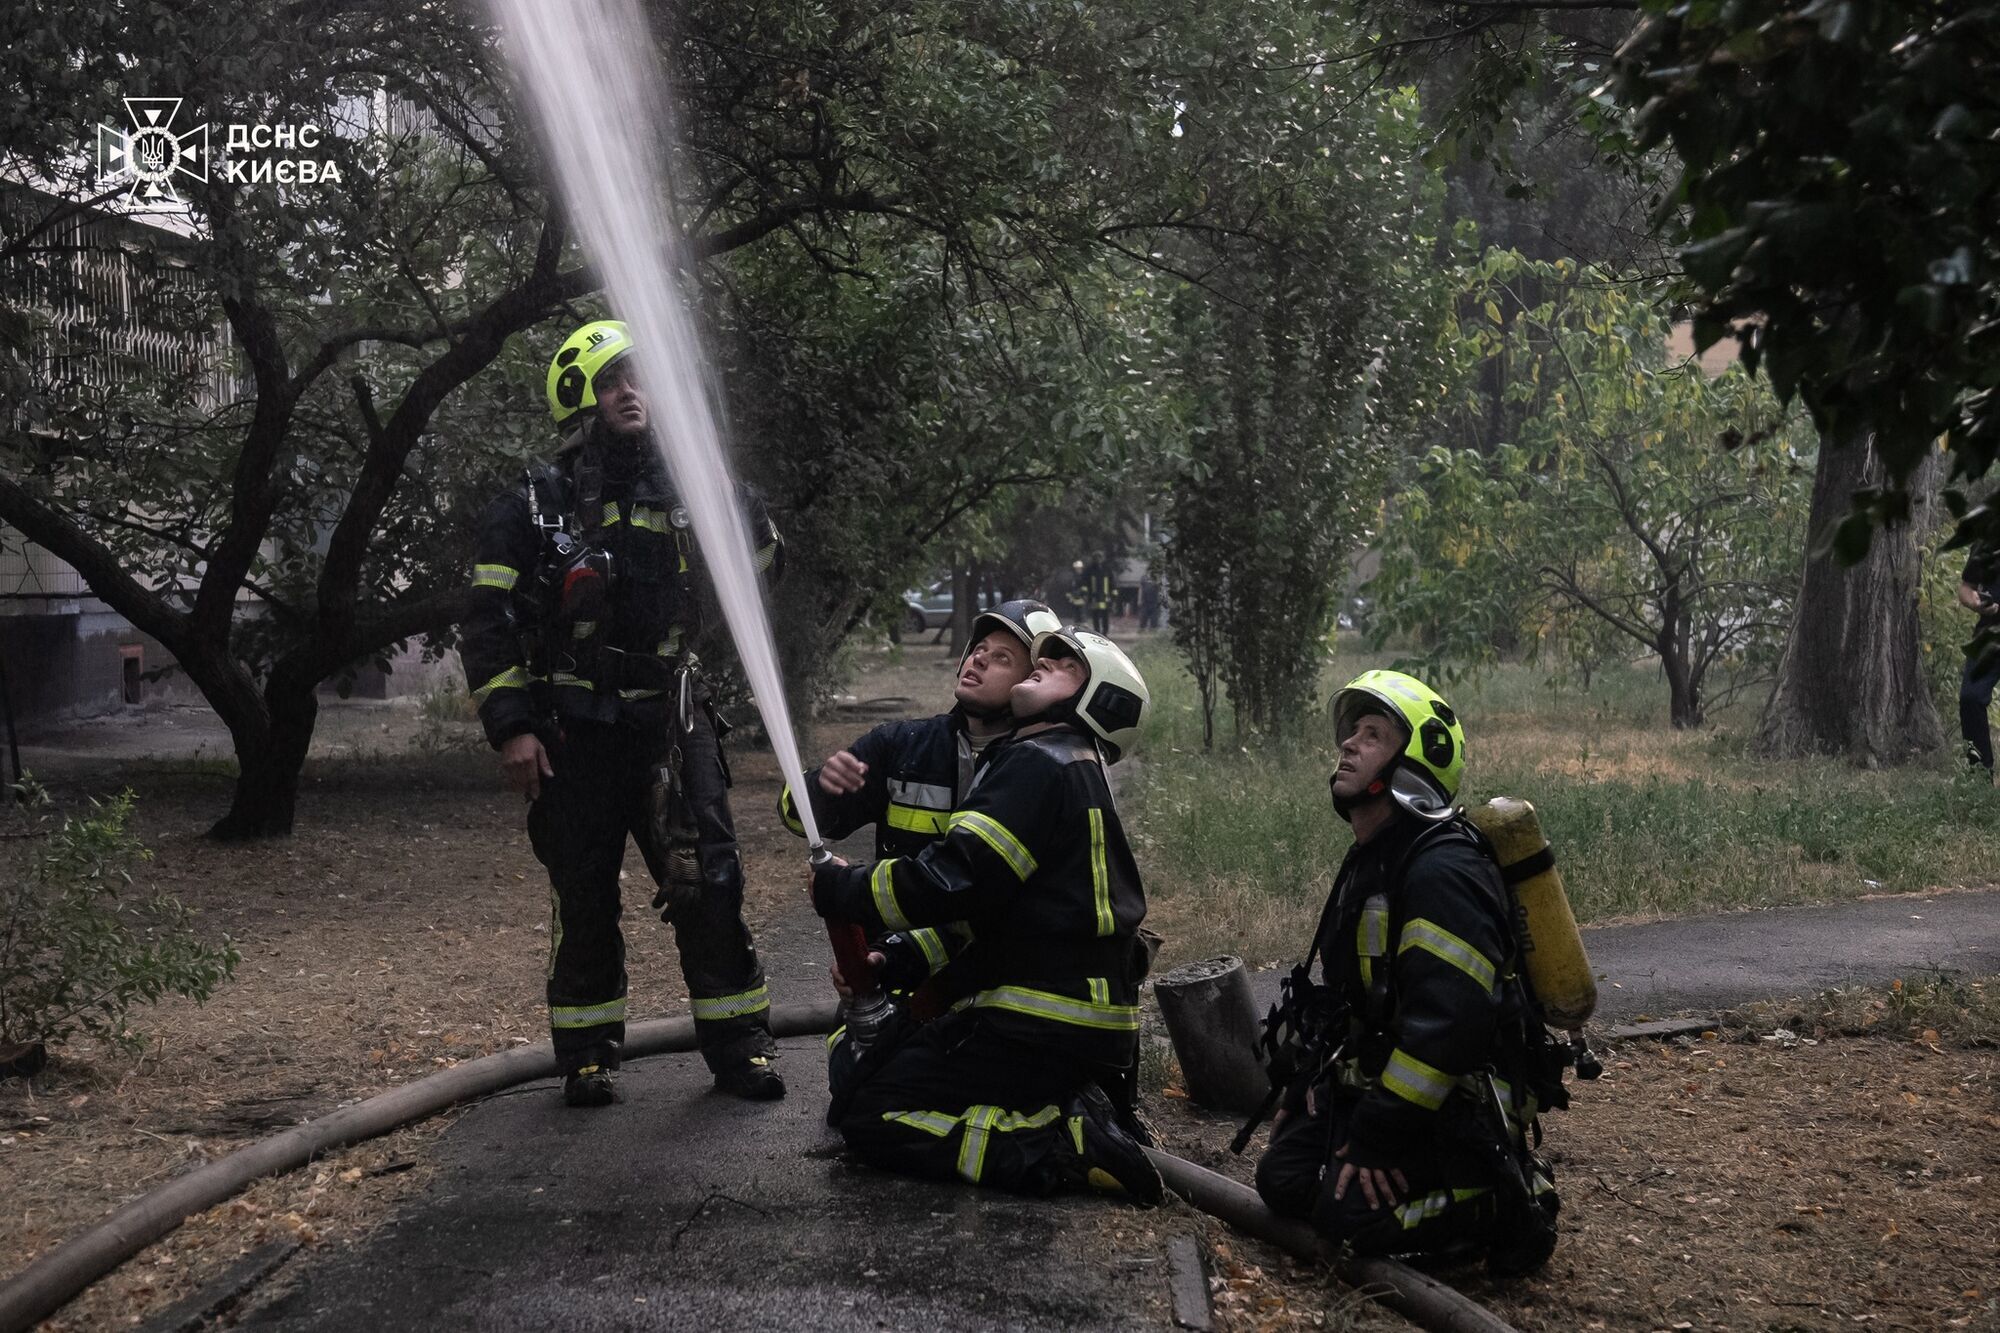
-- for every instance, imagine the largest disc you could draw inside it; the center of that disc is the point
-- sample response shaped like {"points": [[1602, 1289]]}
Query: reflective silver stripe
{"points": [[503, 577], [750, 1001], [583, 629], [925, 795], [640, 694], [513, 678], [932, 947], [1100, 878], [1414, 1081], [930, 1122], [765, 555], [1100, 991], [972, 1148], [1420, 1210], [1435, 939], [995, 835], [1373, 934], [566, 1016], [882, 884], [1059, 1008], [652, 520]]}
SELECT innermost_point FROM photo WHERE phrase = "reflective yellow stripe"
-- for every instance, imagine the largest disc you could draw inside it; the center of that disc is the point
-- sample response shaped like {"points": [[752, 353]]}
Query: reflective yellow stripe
{"points": [[651, 520], [911, 819], [710, 1009], [833, 1037], [931, 945], [995, 835], [513, 678], [1100, 879], [566, 678], [1371, 935], [1418, 1211], [765, 555], [1435, 939], [972, 1148], [930, 1122], [610, 512], [566, 1016], [1100, 990], [640, 694], [503, 577], [882, 883], [1059, 1008], [788, 811], [1414, 1081]]}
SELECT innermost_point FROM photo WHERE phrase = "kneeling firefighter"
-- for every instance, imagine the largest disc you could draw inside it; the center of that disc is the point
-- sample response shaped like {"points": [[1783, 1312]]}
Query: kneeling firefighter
{"points": [[1003, 1089], [907, 777], [1417, 1069], [587, 602]]}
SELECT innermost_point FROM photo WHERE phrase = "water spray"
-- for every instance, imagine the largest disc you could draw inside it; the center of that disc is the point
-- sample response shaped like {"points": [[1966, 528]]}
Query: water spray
{"points": [[591, 76]]}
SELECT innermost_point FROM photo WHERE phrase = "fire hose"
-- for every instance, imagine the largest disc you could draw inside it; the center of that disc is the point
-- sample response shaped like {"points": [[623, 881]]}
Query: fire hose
{"points": [[45, 1285]]}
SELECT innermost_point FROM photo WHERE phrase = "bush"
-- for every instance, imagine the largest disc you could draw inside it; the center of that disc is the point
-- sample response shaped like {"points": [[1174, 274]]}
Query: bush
{"points": [[79, 948]]}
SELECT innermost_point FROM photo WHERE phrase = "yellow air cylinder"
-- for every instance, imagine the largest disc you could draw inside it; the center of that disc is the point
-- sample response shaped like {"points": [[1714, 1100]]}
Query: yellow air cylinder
{"points": [[1557, 965]]}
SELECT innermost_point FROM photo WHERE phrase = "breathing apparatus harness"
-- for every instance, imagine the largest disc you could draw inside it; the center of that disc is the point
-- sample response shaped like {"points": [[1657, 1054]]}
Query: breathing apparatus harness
{"points": [[575, 577], [1311, 1033]]}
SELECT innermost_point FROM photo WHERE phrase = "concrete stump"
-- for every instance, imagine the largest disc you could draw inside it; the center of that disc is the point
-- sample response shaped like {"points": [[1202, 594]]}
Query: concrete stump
{"points": [[1213, 1023]]}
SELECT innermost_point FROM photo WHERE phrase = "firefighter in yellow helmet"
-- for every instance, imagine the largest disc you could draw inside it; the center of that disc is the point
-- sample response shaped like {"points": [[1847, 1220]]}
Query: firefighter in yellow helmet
{"points": [[1421, 1060], [1006, 1088], [587, 601]]}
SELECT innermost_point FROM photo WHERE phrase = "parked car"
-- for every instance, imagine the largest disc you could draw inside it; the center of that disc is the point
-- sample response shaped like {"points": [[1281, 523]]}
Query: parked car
{"points": [[930, 608]]}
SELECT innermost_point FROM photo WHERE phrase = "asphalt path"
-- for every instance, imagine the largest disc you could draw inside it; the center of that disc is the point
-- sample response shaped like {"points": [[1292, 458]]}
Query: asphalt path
{"points": [[1658, 968], [679, 1208]]}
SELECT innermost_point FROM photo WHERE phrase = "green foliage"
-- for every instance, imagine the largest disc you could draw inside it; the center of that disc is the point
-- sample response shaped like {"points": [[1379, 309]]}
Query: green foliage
{"points": [[1239, 845], [1638, 507], [79, 948], [1835, 208], [1300, 362]]}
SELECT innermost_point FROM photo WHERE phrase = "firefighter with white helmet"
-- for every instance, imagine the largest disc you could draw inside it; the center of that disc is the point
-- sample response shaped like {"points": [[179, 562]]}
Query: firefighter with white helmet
{"points": [[906, 777], [1003, 1089]]}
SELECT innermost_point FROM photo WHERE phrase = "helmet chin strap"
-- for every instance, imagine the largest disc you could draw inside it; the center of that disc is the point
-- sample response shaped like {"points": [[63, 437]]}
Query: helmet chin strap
{"points": [[1062, 711], [1345, 806]]}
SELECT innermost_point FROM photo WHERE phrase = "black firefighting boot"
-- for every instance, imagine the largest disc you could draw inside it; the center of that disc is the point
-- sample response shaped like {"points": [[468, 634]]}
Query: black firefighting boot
{"points": [[753, 1078], [1111, 1161], [589, 1086]]}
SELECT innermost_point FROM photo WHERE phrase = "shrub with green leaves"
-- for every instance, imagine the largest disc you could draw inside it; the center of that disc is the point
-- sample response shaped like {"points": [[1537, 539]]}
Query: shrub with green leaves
{"points": [[80, 946]]}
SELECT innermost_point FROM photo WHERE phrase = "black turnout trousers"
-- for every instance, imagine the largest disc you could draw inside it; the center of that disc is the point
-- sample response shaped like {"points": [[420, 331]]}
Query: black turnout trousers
{"points": [[1448, 1201], [578, 827], [952, 1101]]}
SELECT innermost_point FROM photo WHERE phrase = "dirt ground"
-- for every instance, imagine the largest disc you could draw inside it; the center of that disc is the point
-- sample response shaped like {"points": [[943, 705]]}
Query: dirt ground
{"points": [[1733, 1183], [1721, 1184]]}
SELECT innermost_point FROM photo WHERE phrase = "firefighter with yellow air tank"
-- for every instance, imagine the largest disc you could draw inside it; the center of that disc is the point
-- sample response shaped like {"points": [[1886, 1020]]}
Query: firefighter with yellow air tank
{"points": [[1420, 1056]]}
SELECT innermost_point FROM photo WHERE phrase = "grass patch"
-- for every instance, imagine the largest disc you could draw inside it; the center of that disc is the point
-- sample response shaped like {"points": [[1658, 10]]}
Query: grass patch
{"points": [[1240, 844], [1937, 1007]]}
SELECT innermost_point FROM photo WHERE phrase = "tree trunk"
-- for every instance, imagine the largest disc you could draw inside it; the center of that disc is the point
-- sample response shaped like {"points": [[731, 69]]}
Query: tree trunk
{"points": [[269, 761], [1683, 690], [1851, 680], [964, 603]]}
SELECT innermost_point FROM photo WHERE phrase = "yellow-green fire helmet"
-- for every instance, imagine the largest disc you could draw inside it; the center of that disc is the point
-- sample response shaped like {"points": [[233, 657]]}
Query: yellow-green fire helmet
{"points": [[572, 385], [1424, 778]]}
